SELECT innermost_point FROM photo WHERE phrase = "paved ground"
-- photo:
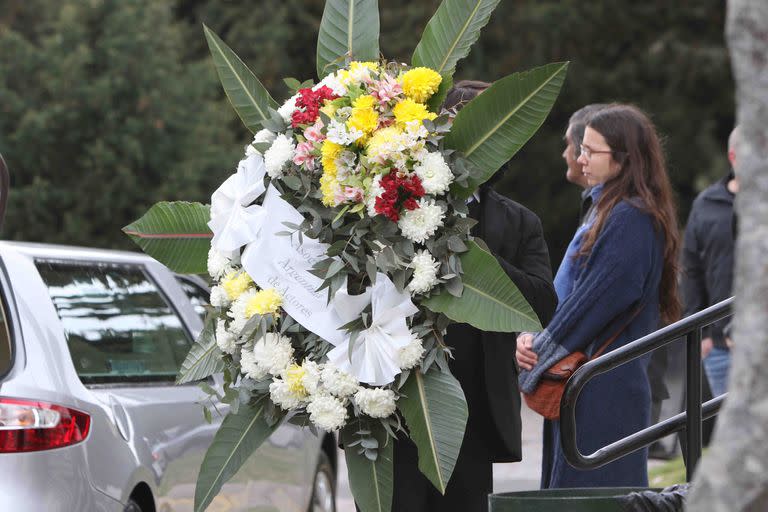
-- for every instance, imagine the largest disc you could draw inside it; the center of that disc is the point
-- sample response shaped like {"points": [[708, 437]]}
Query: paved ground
{"points": [[506, 477]]}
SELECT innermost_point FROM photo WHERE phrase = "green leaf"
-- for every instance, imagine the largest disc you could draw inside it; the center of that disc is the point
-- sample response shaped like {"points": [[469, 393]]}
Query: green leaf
{"points": [[176, 234], [349, 29], [246, 94], [451, 32], [435, 411], [371, 481], [491, 128], [238, 437], [436, 101], [204, 358], [490, 300]]}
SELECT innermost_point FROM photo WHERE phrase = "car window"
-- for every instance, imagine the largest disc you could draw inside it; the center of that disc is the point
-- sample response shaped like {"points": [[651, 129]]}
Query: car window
{"points": [[119, 326], [198, 295]]}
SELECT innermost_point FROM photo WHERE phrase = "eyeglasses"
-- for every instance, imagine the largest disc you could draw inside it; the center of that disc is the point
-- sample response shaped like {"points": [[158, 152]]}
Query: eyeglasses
{"points": [[583, 150]]}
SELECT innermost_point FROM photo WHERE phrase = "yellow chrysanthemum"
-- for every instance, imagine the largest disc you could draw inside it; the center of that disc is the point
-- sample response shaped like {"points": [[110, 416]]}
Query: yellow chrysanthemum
{"points": [[357, 72], [409, 110], [328, 187], [329, 152], [264, 302], [382, 137], [364, 101], [364, 119], [235, 283], [294, 376], [421, 83]]}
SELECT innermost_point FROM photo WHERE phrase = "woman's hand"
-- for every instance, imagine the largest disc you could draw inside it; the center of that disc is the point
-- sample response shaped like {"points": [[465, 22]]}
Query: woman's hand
{"points": [[526, 357]]}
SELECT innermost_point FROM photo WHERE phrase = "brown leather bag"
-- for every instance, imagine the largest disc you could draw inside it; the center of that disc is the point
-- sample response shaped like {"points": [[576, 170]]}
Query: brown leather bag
{"points": [[548, 394]]}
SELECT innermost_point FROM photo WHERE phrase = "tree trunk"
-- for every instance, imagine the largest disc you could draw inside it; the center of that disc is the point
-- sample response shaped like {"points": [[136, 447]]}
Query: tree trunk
{"points": [[733, 476]]}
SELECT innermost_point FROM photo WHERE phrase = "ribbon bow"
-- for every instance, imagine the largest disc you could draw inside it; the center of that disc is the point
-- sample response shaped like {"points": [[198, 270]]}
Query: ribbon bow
{"points": [[374, 356]]}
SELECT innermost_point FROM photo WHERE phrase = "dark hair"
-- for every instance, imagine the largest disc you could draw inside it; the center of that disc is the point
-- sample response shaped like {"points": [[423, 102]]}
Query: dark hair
{"points": [[642, 179], [462, 93], [578, 123]]}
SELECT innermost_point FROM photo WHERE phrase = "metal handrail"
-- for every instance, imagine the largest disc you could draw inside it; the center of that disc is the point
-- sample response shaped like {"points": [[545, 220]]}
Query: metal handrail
{"points": [[5, 184], [691, 328]]}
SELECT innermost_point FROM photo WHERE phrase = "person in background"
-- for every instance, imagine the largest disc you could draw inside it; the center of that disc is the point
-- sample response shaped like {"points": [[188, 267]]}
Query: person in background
{"points": [[484, 362], [617, 281], [708, 259], [574, 134]]}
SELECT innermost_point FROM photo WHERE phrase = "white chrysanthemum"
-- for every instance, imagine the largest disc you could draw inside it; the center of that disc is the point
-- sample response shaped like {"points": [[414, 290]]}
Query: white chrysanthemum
{"points": [[338, 382], [287, 108], [420, 224], [218, 263], [237, 311], [376, 402], [279, 153], [374, 191], [249, 367], [280, 392], [424, 272], [327, 412], [435, 174], [219, 297], [340, 134], [311, 378], [263, 135], [332, 82], [273, 353], [414, 135], [411, 354], [224, 339]]}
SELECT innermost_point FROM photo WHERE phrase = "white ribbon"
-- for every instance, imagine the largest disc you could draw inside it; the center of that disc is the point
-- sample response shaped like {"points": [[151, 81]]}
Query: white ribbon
{"points": [[233, 222], [374, 356]]}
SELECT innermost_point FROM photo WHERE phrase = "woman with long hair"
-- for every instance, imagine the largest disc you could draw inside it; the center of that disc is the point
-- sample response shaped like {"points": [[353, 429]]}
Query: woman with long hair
{"points": [[617, 280]]}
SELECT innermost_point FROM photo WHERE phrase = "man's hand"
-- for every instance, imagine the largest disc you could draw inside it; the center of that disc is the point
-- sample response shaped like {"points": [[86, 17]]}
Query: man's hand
{"points": [[706, 347], [526, 357]]}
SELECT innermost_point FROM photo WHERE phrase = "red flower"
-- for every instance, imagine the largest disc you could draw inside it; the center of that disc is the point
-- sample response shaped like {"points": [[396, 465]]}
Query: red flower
{"points": [[399, 192], [310, 101]]}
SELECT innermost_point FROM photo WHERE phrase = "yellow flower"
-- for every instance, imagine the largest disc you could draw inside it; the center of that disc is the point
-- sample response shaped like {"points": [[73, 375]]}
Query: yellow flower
{"points": [[329, 108], [329, 152], [294, 376], [364, 101], [358, 71], [409, 110], [364, 119], [264, 302], [381, 138], [328, 187], [421, 83], [235, 283]]}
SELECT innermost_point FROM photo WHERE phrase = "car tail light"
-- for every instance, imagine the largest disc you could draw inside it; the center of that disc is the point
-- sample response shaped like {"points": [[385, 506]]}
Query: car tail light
{"points": [[30, 425]]}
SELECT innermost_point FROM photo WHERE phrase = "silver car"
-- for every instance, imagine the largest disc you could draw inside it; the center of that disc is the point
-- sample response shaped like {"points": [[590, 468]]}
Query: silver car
{"points": [[90, 419]]}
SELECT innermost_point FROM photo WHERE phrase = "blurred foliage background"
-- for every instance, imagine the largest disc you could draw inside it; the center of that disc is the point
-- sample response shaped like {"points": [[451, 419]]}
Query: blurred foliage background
{"points": [[107, 106]]}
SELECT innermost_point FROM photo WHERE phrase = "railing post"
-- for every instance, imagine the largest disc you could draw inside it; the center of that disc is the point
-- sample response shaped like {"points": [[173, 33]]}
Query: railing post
{"points": [[693, 402]]}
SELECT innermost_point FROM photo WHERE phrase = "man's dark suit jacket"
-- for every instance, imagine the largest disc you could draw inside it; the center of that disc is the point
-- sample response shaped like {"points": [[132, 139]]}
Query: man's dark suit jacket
{"points": [[515, 236]]}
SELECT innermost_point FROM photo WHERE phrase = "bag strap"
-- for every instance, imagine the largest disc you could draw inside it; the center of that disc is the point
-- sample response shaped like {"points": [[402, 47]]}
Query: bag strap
{"points": [[618, 333]]}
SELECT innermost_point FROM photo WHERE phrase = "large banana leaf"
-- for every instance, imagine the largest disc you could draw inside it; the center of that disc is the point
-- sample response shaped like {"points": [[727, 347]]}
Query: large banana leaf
{"points": [[371, 482], [435, 411], [204, 358], [491, 128], [348, 28], [246, 94], [451, 32], [490, 300], [176, 234], [238, 437]]}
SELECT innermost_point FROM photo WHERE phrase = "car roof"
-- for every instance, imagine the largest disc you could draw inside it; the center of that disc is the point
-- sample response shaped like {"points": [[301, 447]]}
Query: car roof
{"points": [[39, 250]]}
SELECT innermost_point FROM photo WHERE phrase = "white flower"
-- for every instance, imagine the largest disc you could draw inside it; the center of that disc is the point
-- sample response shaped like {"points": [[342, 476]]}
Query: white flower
{"points": [[374, 191], [327, 412], [411, 354], [339, 133], [224, 339], [337, 382], [376, 402], [424, 272], [218, 263], [219, 297], [237, 311], [279, 153], [249, 367], [420, 224], [261, 136], [311, 378], [332, 82], [435, 174], [286, 110], [280, 393], [273, 353]]}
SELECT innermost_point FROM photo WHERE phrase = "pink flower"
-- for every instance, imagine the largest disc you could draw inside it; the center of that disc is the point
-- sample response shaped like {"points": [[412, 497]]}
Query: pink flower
{"points": [[386, 89], [314, 133], [353, 194], [304, 156]]}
